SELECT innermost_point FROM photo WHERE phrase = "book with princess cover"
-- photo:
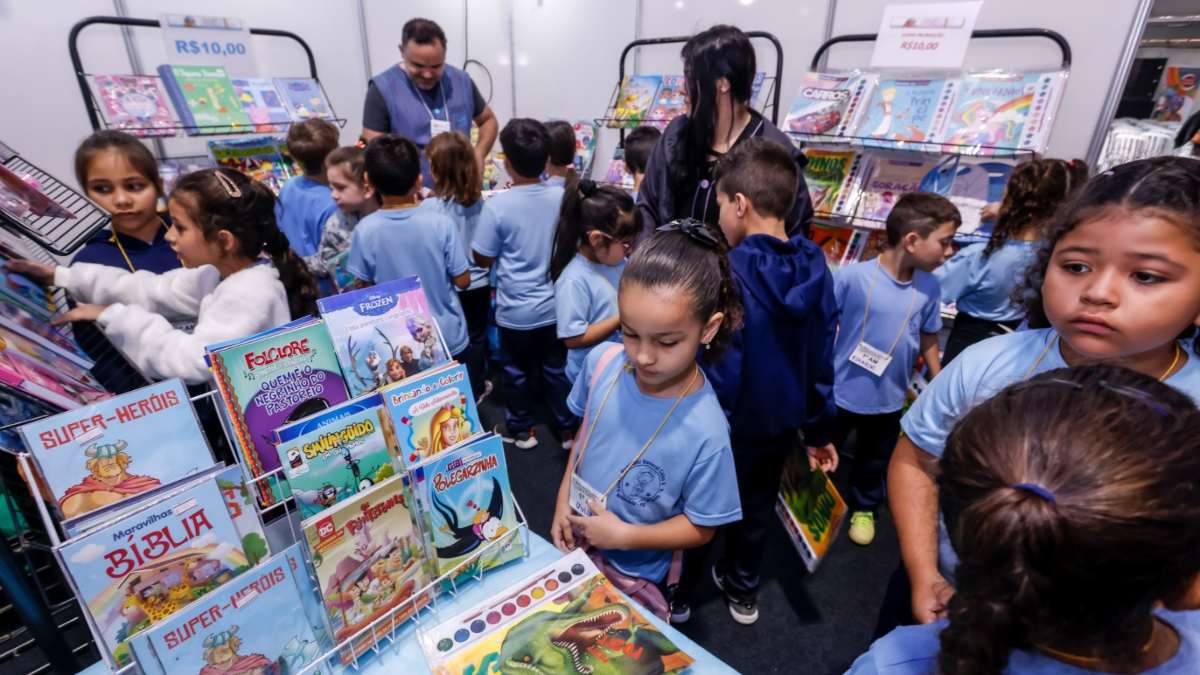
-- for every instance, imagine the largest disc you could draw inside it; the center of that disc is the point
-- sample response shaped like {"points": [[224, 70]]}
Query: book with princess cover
{"points": [[1003, 110], [134, 104], [136, 571], [888, 179], [205, 99], [304, 97], [823, 104], [906, 110], [383, 333], [268, 380], [634, 100], [466, 501], [564, 619], [258, 158], [262, 103], [826, 173], [249, 625], [333, 462], [369, 558], [810, 508], [114, 450], [670, 101], [431, 412]]}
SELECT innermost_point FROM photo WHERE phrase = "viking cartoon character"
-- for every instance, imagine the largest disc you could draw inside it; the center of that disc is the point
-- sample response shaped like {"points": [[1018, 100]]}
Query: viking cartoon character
{"points": [[108, 482], [221, 657]]}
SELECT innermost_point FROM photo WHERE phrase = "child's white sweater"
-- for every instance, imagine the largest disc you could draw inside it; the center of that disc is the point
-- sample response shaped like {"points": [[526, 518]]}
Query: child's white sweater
{"points": [[142, 304]]}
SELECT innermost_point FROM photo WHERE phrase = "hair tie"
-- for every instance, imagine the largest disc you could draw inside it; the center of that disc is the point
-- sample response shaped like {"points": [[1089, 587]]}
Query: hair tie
{"points": [[587, 187], [1035, 489], [227, 183], [696, 230]]}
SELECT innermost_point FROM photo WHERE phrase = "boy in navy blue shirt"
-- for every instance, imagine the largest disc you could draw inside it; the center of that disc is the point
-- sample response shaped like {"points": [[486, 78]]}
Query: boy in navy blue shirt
{"points": [[516, 232], [305, 202], [776, 379], [890, 314]]}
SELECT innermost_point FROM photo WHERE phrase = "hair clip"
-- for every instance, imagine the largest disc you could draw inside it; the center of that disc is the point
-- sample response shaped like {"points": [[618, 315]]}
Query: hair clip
{"points": [[587, 187], [696, 230], [1035, 489], [227, 183]]}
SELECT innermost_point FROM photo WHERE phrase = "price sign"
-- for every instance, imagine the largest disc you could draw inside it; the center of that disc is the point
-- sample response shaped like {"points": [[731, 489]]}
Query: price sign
{"points": [[930, 35], [209, 41]]}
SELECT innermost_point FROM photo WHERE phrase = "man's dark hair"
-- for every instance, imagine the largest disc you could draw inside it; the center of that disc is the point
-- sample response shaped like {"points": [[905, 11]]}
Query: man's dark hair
{"points": [[562, 142], [393, 164], [422, 32], [762, 170], [920, 212], [526, 144], [638, 145]]}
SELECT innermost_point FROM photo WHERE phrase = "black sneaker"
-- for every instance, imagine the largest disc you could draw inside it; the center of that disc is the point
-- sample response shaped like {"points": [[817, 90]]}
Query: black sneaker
{"points": [[681, 611], [743, 608]]}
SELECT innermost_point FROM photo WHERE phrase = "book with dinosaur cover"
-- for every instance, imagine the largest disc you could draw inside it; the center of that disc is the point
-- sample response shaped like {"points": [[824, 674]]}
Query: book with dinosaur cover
{"points": [[431, 412], [304, 98], [995, 109], [262, 103], [205, 99], [383, 333], [810, 508], [138, 570], [564, 619], [116, 449], [825, 173], [906, 110], [823, 102], [270, 379], [466, 502], [134, 104], [258, 158], [249, 625], [336, 461], [369, 558], [634, 100]]}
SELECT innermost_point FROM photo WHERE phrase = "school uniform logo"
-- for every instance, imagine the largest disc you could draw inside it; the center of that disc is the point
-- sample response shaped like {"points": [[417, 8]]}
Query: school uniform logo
{"points": [[643, 484]]}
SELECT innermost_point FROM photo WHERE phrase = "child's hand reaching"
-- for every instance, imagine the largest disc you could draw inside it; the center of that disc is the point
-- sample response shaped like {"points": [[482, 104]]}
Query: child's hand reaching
{"points": [[561, 531], [824, 458], [603, 530], [82, 312], [39, 272]]}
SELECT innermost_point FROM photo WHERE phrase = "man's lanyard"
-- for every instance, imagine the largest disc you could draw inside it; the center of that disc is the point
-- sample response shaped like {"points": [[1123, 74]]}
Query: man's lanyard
{"points": [[417, 90]]}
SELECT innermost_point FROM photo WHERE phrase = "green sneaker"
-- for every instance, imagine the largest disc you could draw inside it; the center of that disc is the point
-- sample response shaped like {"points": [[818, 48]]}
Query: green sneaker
{"points": [[862, 527]]}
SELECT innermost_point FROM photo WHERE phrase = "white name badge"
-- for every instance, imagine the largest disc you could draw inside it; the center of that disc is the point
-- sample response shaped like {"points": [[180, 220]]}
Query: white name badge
{"points": [[580, 493], [438, 127], [871, 359]]}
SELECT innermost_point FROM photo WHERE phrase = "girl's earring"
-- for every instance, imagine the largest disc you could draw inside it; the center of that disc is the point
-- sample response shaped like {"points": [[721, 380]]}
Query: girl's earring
{"points": [[707, 346]]}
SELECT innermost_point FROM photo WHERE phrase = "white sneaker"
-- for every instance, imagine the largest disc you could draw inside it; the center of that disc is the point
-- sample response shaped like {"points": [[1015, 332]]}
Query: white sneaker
{"points": [[568, 444], [526, 440], [487, 391]]}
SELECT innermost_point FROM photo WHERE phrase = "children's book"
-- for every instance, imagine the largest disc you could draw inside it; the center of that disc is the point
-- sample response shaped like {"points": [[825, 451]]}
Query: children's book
{"points": [[258, 158], [617, 175], [17, 407], [495, 175], [634, 100], [1003, 110], [51, 358], [810, 508], [823, 103], [247, 626], [205, 99], [467, 503], [116, 449], [383, 333], [268, 380], [669, 103], [431, 412], [26, 294], [833, 242], [28, 375], [906, 110], [756, 90], [304, 97], [136, 571], [262, 103], [966, 183], [369, 559], [1177, 94], [566, 618], [18, 320], [134, 103], [585, 145], [889, 178], [171, 170], [330, 464], [21, 197], [825, 175]]}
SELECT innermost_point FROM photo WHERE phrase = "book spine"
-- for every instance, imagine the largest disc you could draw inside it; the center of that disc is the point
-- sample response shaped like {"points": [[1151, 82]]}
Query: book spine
{"points": [[171, 85], [245, 447]]}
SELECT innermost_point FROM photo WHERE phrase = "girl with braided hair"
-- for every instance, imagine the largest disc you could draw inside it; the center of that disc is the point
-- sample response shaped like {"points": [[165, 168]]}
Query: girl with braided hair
{"points": [[239, 277]]}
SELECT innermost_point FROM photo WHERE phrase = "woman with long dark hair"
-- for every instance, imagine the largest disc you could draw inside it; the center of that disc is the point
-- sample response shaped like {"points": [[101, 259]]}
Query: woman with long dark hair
{"points": [[719, 66]]}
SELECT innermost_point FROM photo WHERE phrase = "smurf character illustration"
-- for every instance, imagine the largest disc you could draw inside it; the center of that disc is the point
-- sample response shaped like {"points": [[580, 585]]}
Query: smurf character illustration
{"points": [[108, 480], [485, 525], [221, 657]]}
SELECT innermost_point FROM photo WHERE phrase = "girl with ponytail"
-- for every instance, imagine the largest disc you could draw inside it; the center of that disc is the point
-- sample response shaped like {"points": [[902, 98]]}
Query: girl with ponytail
{"points": [[1073, 503], [239, 277], [596, 226]]}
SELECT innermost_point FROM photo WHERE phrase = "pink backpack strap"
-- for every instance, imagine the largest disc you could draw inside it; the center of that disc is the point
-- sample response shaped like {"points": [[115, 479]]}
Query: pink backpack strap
{"points": [[606, 358]]}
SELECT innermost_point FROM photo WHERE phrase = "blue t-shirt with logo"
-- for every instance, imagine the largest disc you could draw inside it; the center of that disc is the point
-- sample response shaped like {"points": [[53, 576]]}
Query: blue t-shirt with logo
{"points": [[585, 293], [688, 468]]}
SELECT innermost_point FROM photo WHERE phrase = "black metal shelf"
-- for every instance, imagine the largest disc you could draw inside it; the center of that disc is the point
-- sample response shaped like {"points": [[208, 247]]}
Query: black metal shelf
{"points": [[942, 148]]}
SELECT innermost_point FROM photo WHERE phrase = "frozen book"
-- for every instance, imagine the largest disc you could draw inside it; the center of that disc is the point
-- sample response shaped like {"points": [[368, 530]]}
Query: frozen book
{"points": [[825, 174], [467, 503], [247, 626], [136, 571], [334, 462], [564, 619], [889, 178], [431, 413], [135, 104], [262, 103], [993, 111], [111, 451], [258, 158], [269, 380], [822, 104], [669, 103], [634, 100], [383, 334], [810, 508], [906, 110], [205, 99], [304, 97], [369, 560]]}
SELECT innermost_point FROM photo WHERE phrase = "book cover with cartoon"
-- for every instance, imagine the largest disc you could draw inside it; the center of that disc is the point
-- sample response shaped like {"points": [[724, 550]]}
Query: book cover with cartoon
{"points": [[369, 559], [383, 333], [51, 358], [889, 178], [810, 508], [134, 104], [304, 98], [20, 320], [634, 100], [467, 503], [585, 145], [139, 570], [669, 103], [247, 626], [119, 448], [334, 462], [825, 173], [431, 413], [906, 110], [205, 99], [564, 619], [821, 105], [833, 241], [992, 109], [262, 102], [257, 157]]}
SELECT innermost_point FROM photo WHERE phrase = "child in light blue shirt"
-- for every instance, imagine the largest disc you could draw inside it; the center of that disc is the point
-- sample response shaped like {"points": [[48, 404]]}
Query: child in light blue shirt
{"points": [[560, 166], [305, 202]]}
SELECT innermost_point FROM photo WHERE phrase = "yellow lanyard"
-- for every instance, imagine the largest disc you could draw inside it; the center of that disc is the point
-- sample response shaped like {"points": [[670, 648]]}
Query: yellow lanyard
{"points": [[638, 456], [1054, 341], [867, 307]]}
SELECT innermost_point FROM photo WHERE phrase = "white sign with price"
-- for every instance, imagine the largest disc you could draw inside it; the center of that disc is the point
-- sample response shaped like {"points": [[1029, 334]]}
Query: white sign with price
{"points": [[192, 40], [930, 35]]}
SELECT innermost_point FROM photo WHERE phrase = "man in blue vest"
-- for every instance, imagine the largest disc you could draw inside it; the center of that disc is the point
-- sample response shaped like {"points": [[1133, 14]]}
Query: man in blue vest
{"points": [[423, 96]]}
